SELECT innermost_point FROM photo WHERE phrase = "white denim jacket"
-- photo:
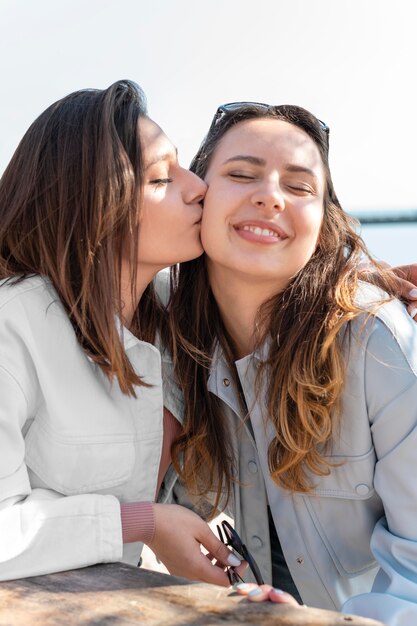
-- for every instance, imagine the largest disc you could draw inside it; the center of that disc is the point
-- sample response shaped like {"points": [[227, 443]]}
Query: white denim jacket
{"points": [[351, 544], [72, 445]]}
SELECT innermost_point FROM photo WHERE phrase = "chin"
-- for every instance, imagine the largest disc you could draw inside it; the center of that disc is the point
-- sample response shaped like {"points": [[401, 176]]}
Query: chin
{"points": [[188, 256], [195, 255], [196, 251]]}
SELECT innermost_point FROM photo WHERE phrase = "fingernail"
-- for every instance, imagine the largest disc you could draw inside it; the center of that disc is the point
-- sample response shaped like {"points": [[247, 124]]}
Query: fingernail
{"points": [[413, 311], [241, 586], [255, 592], [413, 293], [233, 560]]}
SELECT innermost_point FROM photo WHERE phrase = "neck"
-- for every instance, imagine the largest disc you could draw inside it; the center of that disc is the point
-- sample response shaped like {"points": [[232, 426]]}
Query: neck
{"points": [[131, 299], [239, 299]]}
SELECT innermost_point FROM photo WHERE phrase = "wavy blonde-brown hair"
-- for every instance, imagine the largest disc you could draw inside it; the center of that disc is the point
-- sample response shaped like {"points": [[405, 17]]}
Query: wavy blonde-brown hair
{"points": [[303, 373]]}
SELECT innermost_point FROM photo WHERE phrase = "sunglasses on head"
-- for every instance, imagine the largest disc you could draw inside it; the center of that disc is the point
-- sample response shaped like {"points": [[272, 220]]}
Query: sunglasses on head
{"points": [[233, 540], [230, 107]]}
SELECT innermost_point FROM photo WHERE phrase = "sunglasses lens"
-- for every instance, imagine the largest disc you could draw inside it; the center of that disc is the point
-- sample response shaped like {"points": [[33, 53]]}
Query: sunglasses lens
{"points": [[324, 127], [235, 542], [232, 537], [235, 106]]}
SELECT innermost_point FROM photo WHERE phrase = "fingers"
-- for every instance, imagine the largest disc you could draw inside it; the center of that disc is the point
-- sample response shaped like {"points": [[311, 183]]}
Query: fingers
{"points": [[263, 593], [179, 534], [373, 276], [408, 272], [282, 597], [255, 593], [218, 550], [406, 279], [200, 568], [408, 293], [412, 310], [180, 550], [242, 568], [207, 571], [403, 280], [211, 573], [406, 290], [244, 589]]}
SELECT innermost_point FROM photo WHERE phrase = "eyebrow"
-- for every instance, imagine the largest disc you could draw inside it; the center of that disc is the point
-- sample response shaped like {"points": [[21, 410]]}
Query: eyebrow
{"points": [[262, 162], [166, 156], [300, 168], [246, 157]]}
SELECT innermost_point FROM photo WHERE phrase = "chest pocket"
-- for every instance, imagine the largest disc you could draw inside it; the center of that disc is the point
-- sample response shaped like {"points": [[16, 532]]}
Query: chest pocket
{"points": [[344, 508], [73, 465]]}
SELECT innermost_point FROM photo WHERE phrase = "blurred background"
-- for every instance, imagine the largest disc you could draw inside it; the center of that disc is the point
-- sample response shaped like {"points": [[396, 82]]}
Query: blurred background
{"points": [[351, 62]]}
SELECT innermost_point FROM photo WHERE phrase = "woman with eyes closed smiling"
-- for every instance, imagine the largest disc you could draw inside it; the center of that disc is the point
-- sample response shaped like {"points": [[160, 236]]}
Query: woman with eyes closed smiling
{"points": [[92, 205], [299, 380]]}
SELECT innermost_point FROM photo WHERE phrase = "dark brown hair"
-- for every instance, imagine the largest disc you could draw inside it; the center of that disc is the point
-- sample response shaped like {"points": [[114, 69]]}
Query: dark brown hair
{"points": [[69, 203], [304, 371]]}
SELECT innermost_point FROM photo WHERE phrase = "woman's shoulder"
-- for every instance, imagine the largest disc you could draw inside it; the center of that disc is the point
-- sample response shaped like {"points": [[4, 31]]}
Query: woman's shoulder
{"points": [[31, 295], [386, 325], [17, 287]]}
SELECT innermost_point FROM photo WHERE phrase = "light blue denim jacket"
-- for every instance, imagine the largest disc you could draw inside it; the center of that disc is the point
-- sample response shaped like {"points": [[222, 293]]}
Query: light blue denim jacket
{"points": [[351, 544]]}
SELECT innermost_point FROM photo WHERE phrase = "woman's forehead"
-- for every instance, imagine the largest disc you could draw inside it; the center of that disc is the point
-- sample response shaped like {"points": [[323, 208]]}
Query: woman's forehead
{"points": [[269, 138], [155, 144]]}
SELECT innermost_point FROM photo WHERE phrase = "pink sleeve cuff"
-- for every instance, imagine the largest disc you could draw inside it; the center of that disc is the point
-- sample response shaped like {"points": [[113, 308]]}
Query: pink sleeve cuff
{"points": [[138, 522]]}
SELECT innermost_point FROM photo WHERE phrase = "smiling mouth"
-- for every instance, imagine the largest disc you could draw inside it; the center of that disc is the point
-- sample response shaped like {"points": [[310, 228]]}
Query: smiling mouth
{"points": [[262, 231]]}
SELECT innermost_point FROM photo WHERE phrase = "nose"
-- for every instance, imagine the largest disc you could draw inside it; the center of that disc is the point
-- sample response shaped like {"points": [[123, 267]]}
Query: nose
{"points": [[269, 197], [196, 189]]}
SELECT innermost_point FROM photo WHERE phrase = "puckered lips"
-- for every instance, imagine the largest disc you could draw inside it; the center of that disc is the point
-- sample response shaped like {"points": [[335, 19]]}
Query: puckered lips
{"points": [[260, 231]]}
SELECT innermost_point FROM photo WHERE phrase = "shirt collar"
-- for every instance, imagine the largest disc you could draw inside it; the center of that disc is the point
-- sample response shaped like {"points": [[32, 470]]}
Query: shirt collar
{"points": [[219, 369]]}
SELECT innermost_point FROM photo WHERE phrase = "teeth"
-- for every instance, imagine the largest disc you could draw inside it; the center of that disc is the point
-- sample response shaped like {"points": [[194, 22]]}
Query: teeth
{"points": [[261, 231]]}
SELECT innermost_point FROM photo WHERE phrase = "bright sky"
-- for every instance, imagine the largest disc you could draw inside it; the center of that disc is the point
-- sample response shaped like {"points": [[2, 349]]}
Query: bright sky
{"points": [[351, 62]]}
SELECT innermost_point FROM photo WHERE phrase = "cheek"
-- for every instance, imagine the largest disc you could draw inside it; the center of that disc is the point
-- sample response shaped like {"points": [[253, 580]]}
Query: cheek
{"points": [[208, 223], [160, 213], [213, 235], [310, 223], [206, 233]]}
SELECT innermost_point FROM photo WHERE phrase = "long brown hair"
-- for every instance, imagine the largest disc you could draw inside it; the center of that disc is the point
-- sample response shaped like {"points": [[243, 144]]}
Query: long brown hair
{"points": [[69, 203], [304, 370]]}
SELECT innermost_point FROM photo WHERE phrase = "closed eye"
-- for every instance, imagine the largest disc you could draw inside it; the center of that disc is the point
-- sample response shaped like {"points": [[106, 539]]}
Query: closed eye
{"points": [[160, 181], [301, 188], [242, 176]]}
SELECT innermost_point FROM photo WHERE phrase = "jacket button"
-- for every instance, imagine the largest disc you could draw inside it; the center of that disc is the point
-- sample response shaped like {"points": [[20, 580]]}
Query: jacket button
{"points": [[256, 542], [226, 382], [299, 560], [362, 489], [252, 467]]}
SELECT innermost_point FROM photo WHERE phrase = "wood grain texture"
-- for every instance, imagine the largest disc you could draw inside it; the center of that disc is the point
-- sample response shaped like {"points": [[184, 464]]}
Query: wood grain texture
{"points": [[116, 594]]}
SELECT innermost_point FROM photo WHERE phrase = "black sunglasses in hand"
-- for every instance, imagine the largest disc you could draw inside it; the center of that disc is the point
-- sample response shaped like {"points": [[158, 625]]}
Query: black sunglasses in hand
{"points": [[234, 541]]}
